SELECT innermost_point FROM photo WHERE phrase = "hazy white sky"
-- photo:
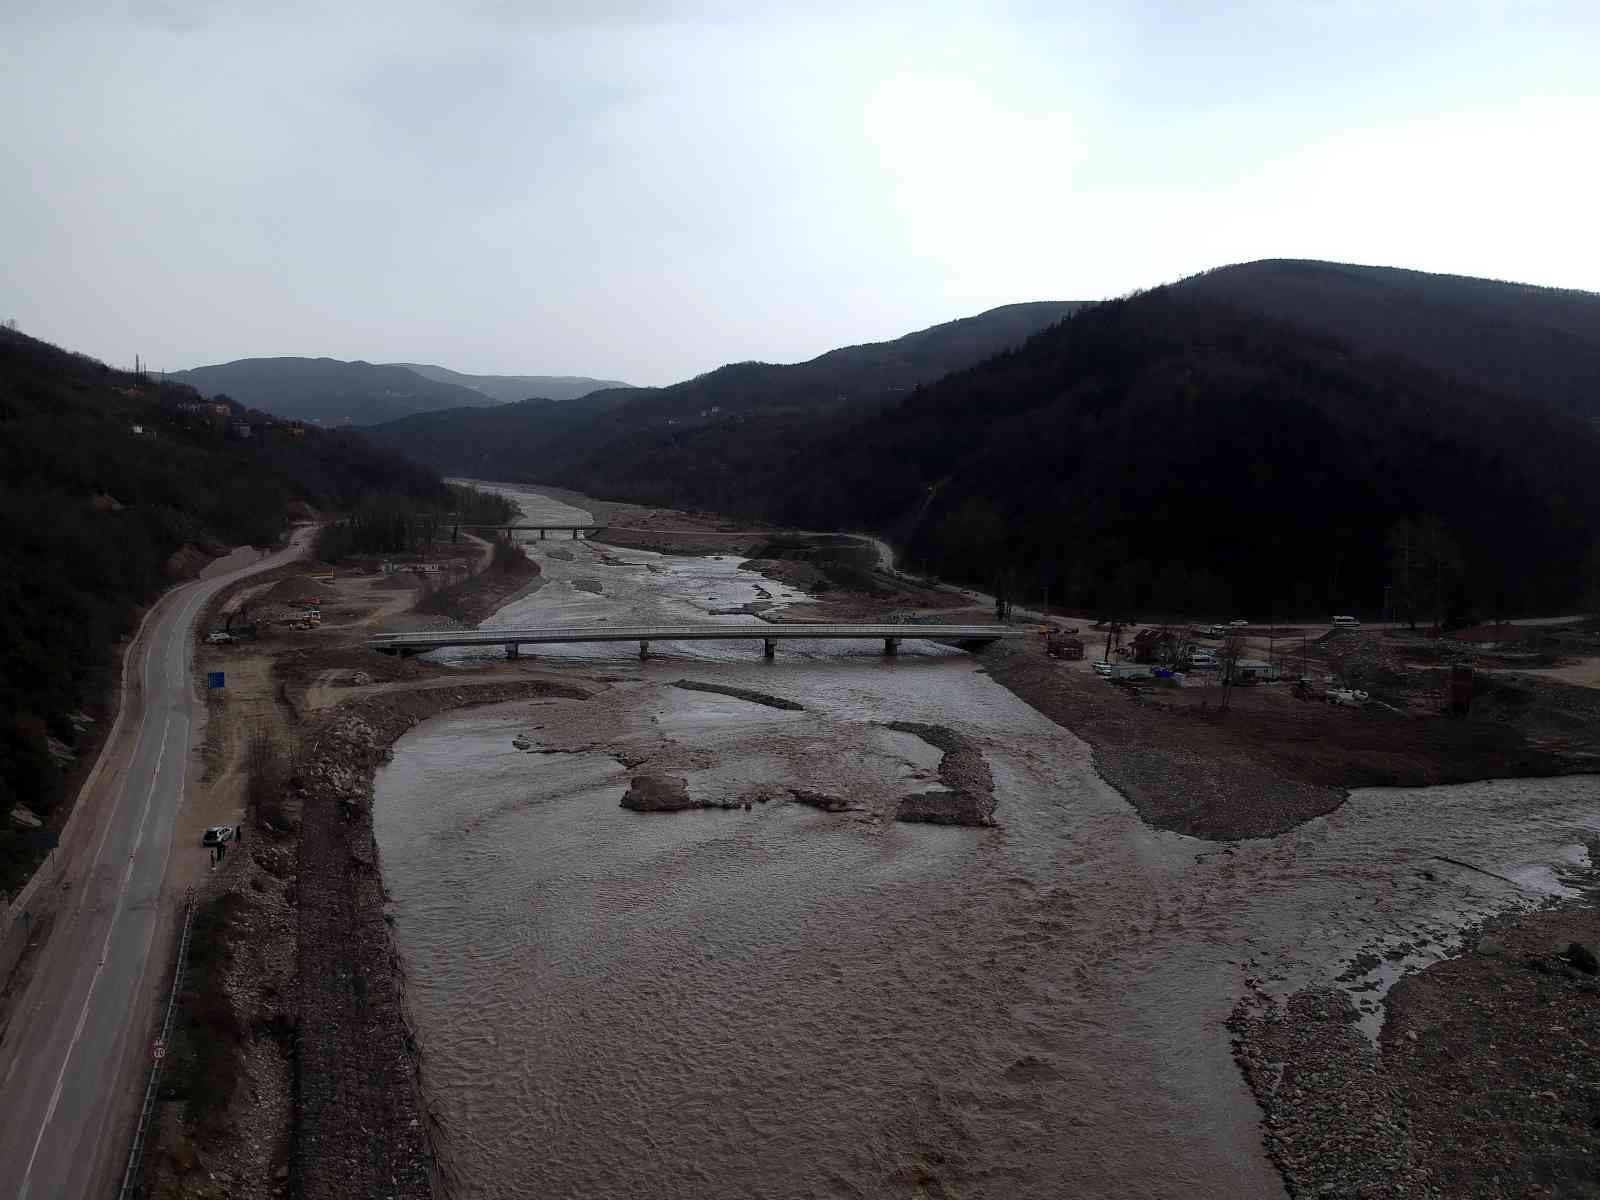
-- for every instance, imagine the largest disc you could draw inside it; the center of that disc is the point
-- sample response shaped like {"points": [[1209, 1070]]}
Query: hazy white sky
{"points": [[644, 190]]}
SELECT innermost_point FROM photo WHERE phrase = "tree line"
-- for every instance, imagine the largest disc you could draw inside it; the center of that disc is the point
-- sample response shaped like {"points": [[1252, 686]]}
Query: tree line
{"points": [[1167, 453], [104, 476]]}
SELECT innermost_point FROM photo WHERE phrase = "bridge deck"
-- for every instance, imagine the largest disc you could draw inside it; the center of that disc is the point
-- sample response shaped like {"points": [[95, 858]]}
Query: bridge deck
{"points": [[416, 642], [543, 525]]}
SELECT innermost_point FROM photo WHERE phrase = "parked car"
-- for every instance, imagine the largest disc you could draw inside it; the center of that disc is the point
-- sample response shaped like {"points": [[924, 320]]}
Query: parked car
{"points": [[1103, 669], [217, 834], [217, 636], [1346, 623], [1203, 658], [1238, 624]]}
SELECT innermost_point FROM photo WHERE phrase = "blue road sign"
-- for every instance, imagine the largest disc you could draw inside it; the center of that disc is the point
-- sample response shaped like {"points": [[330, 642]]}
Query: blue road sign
{"points": [[213, 679]]}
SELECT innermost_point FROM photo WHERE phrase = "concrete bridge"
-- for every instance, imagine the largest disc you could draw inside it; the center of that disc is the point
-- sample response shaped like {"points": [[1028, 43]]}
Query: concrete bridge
{"points": [[575, 530], [407, 644]]}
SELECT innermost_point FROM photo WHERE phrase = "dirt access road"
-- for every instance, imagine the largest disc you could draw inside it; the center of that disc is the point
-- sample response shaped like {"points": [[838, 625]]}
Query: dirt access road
{"points": [[75, 1048]]}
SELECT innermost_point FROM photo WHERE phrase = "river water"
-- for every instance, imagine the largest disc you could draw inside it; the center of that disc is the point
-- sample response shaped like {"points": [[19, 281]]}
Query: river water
{"points": [[788, 1002]]}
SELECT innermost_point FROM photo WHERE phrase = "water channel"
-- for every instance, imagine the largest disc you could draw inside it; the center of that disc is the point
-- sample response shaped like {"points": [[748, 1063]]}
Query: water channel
{"points": [[788, 1002]]}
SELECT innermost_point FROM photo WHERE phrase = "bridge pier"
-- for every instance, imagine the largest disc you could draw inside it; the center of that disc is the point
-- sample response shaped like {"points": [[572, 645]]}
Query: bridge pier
{"points": [[891, 645], [769, 647], [644, 651], [541, 535], [574, 535], [513, 650]]}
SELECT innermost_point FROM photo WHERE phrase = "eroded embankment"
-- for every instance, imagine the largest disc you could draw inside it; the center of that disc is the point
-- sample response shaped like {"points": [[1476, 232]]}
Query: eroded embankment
{"points": [[1483, 1086], [1267, 764], [968, 795], [362, 1125]]}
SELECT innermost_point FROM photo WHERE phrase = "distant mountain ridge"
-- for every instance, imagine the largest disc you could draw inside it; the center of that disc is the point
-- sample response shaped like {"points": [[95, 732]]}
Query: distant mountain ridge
{"points": [[1256, 436], [534, 441], [508, 389], [331, 391]]}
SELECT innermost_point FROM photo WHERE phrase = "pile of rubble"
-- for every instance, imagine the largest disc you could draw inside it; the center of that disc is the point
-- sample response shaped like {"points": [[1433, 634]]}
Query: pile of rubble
{"points": [[1362, 658]]}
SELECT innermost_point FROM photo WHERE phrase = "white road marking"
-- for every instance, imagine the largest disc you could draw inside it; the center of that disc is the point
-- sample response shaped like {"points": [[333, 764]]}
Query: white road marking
{"points": [[105, 949], [178, 671], [127, 878]]}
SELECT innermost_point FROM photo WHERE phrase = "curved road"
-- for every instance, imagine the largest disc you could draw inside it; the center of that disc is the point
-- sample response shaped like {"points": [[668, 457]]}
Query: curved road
{"points": [[75, 1051]]}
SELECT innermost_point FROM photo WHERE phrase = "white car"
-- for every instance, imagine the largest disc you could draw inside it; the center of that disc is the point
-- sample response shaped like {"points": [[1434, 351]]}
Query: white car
{"points": [[1237, 624], [216, 835], [1347, 697], [1103, 669]]}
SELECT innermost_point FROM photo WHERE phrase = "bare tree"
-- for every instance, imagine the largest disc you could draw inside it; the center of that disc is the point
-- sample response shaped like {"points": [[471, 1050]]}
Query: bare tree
{"points": [[1229, 655]]}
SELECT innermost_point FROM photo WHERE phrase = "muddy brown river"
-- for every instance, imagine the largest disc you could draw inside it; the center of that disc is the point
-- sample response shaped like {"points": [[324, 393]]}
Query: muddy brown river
{"points": [[786, 1002]]}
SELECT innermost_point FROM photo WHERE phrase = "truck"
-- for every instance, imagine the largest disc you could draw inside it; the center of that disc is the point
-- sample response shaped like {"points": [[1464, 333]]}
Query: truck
{"points": [[1116, 672]]}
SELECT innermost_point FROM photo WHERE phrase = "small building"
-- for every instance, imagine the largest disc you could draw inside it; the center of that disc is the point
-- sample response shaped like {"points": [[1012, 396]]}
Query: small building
{"points": [[1059, 643], [1248, 671]]}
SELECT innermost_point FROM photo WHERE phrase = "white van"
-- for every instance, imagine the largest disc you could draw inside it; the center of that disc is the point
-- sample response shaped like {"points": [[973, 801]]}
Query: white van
{"points": [[1346, 623]]}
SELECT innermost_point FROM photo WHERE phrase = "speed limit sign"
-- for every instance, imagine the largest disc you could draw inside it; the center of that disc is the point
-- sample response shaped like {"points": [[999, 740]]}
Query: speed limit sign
{"points": [[158, 1049]]}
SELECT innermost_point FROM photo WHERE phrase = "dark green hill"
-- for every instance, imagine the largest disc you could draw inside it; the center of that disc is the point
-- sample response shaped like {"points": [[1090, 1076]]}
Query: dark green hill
{"points": [[531, 441], [327, 390], [104, 475], [1172, 453], [1529, 342], [508, 389]]}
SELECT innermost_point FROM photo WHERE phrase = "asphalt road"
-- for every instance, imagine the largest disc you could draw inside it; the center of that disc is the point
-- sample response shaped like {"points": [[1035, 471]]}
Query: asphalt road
{"points": [[75, 1052]]}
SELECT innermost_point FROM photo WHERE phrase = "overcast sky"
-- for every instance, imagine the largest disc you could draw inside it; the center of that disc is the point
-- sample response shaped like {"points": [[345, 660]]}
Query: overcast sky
{"points": [[643, 191]]}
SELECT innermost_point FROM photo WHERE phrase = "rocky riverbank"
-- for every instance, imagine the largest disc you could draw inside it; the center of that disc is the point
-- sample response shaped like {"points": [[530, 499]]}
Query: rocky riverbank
{"points": [[362, 1126], [1483, 1083]]}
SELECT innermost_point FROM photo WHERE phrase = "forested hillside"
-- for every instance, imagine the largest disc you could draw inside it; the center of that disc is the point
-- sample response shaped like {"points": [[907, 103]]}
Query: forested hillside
{"points": [[1281, 437], [1531, 342], [1167, 453], [104, 476], [528, 441]]}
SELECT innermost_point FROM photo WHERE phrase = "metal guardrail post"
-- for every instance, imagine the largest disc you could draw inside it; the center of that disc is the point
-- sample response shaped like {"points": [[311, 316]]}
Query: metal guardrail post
{"points": [[131, 1185]]}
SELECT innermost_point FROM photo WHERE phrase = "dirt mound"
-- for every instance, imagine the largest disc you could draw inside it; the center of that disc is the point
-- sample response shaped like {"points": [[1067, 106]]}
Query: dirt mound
{"points": [[659, 793], [737, 693], [968, 795], [296, 588], [1362, 658]]}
